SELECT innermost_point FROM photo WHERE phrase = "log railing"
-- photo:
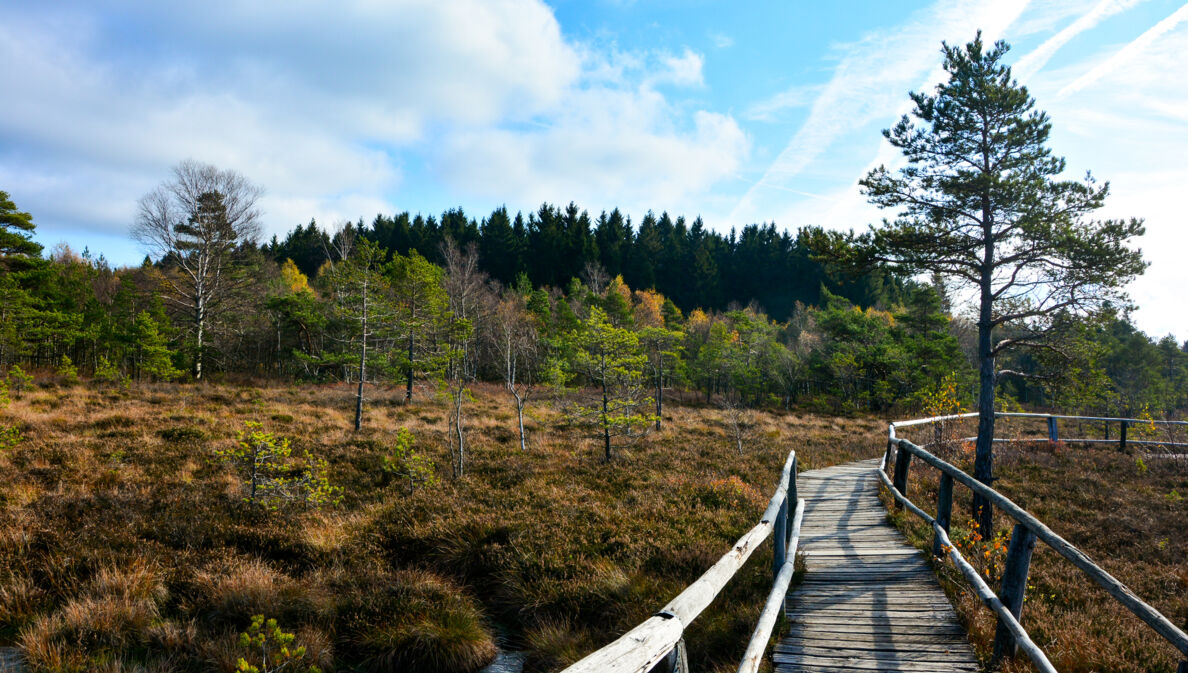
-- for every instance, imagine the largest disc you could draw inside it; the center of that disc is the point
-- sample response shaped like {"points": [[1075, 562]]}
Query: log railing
{"points": [[1053, 422], [658, 645], [1010, 635]]}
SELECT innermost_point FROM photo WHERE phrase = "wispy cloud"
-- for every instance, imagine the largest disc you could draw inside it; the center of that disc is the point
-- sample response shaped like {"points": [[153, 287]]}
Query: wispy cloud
{"points": [[795, 96], [870, 80], [721, 40], [1127, 53], [1028, 65]]}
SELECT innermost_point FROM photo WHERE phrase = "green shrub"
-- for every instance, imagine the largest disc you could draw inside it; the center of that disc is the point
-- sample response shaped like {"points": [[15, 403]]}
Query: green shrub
{"points": [[106, 372], [66, 370], [407, 464], [18, 381], [268, 649], [270, 473], [10, 436]]}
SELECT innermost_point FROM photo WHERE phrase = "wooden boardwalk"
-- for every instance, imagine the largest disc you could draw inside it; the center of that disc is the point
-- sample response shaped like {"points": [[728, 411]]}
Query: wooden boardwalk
{"points": [[869, 602]]}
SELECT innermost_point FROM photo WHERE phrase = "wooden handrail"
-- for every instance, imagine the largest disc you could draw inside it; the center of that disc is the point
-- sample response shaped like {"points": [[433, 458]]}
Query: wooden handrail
{"points": [[753, 657], [1020, 414], [1152, 617], [646, 645], [984, 592]]}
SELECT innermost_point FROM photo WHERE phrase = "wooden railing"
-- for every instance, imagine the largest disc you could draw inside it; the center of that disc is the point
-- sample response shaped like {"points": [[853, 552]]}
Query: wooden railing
{"points": [[658, 643], [1008, 602], [1053, 421]]}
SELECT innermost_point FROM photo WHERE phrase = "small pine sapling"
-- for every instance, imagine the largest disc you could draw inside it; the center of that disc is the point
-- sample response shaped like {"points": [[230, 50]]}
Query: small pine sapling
{"points": [[271, 650], [18, 381], [10, 435], [106, 372], [266, 466], [67, 371], [407, 464]]}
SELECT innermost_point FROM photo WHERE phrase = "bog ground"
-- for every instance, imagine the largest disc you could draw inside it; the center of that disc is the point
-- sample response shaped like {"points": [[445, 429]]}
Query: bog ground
{"points": [[126, 543]]}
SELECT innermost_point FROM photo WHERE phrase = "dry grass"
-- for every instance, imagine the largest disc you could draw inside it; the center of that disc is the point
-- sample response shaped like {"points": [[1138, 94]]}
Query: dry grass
{"points": [[123, 547], [1123, 514]]}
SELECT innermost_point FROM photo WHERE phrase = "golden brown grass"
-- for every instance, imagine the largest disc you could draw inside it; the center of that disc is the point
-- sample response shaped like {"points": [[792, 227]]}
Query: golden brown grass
{"points": [[123, 546], [1120, 511]]}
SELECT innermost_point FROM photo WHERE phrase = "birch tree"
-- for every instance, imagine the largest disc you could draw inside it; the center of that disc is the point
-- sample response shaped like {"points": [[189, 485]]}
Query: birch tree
{"points": [[196, 222]]}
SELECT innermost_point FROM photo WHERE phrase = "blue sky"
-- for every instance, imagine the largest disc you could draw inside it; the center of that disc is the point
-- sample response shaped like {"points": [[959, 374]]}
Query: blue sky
{"points": [[738, 112]]}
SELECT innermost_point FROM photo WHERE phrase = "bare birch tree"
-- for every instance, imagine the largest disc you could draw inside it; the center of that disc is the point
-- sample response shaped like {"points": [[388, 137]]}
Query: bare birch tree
{"points": [[197, 221]]}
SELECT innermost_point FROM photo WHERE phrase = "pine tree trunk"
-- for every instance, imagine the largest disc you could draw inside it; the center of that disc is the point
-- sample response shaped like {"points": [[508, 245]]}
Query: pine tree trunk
{"points": [[362, 367], [659, 391], [409, 384], [984, 450], [605, 414]]}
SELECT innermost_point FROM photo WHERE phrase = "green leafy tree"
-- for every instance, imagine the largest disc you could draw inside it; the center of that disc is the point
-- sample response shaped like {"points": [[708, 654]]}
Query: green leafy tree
{"points": [[980, 202], [609, 360], [363, 305], [17, 246]]}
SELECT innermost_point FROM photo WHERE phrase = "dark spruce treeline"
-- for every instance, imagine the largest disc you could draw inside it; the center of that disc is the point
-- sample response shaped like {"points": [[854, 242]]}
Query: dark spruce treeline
{"points": [[688, 263], [742, 320]]}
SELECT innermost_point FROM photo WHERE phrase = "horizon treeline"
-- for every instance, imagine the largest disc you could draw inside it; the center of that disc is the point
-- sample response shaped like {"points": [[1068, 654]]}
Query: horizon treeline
{"points": [[746, 319], [694, 266]]}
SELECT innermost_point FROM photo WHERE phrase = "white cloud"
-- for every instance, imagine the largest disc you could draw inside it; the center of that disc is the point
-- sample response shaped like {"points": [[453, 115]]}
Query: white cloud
{"points": [[721, 40], [313, 104], [607, 146], [683, 70], [324, 104], [795, 96]]}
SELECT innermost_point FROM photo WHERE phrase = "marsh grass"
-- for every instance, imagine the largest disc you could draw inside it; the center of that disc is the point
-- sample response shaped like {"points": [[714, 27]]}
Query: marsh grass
{"points": [[1103, 502], [123, 546]]}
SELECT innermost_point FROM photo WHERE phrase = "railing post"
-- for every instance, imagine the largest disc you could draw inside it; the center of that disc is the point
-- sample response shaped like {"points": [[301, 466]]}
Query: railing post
{"points": [[790, 502], [887, 458], [1053, 432], [676, 661], [944, 511], [1014, 586], [779, 539], [1122, 436], [902, 458]]}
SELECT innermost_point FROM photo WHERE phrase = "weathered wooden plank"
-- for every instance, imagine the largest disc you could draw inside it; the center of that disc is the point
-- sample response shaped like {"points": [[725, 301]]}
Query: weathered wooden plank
{"points": [[889, 657], [828, 665]]}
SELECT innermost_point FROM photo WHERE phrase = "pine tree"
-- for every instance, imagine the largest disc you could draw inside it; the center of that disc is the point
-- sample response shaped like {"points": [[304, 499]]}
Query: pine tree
{"points": [[981, 202]]}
